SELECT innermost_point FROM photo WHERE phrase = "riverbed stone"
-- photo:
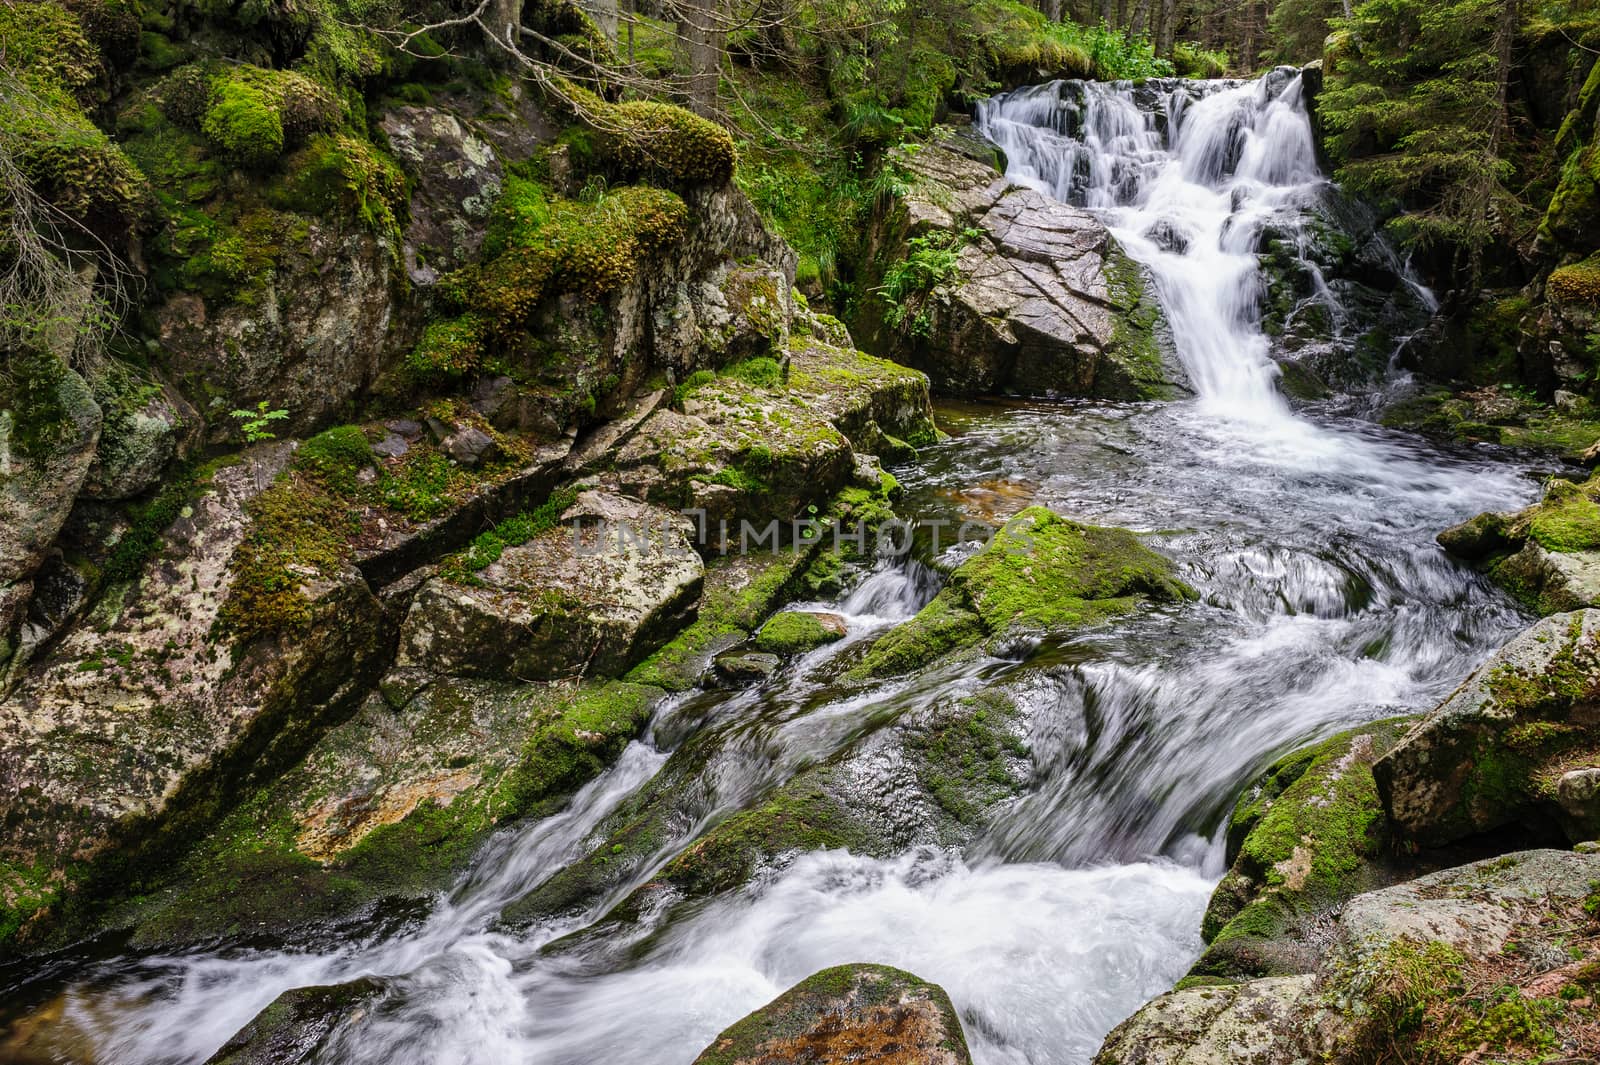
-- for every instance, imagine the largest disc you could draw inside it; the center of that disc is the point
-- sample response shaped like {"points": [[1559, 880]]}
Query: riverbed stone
{"points": [[301, 1025], [1492, 754], [1040, 573], [861, 1012], [1309, 834], [1042, 298], [610, 584], [796, 631], [1548, 555]]}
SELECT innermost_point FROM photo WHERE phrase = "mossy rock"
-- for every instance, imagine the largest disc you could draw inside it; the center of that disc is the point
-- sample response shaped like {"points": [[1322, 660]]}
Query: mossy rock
{"points": [[1306, 836], [848, 1013], [1041, 573], [298, 1024], [794, 632]]}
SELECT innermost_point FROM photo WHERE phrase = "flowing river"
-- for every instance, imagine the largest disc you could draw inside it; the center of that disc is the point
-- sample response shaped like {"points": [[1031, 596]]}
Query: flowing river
{"points": [[1324, 603]]}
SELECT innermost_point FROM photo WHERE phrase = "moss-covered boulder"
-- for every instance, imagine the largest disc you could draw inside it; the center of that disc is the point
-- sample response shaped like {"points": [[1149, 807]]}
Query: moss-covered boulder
{"points": [[766, 438], [1493, 961], [135, 732], [1494, 753], [992, 287], [1308, 835], [1548, 555], [1041, 573], [868, 1013], [794, 632], [599, 592]]}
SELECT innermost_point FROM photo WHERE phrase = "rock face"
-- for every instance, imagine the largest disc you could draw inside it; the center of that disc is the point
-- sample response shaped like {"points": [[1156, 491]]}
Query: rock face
{"points": [[456, 177], [300, 1026], [599, 597], [1495, 752], [129, 728], [1548, 555], [49, 428], [850, 1013], [1040, 300], [310, 340], [1439, 962]]}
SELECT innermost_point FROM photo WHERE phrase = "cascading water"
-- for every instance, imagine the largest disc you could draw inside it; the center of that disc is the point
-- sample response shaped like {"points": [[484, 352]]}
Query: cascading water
{"points": [[1324, 603]]}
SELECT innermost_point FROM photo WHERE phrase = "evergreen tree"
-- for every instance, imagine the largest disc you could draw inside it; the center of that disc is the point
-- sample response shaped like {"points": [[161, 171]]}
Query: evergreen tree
{"points": [[1416, 111]]}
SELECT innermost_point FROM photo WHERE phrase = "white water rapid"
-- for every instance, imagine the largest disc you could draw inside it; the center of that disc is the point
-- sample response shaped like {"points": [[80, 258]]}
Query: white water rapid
{"points": [[1324, 603]]}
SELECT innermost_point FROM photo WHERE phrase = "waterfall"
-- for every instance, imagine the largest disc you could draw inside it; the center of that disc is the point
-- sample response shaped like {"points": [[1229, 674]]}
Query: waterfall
{"points": [[1185, 175]]}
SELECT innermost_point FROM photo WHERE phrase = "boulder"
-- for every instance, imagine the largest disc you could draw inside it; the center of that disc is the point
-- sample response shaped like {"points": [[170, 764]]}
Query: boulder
{"points": [[865, 1013], [744, 670], [1304, 838], [1494, 752], [133, 732], [1041, 298], [597, 593], [796, 631], [1440, 968], [1039, 573], [1548, 555]]}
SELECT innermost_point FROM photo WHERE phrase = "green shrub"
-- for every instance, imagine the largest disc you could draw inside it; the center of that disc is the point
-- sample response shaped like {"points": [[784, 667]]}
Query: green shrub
{"points": [[1192, 61]]}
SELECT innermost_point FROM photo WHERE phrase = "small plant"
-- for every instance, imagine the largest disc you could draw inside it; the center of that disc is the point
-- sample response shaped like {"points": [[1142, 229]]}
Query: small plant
{"points": [[254, 422], [930, 267]]}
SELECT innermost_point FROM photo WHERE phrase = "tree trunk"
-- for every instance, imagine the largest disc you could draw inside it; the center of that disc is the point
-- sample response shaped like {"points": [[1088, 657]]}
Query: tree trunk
{"points": [[1169, 27], [1141, 12], [604, 13], [504, 17], [1106, 11], [701, 29]]}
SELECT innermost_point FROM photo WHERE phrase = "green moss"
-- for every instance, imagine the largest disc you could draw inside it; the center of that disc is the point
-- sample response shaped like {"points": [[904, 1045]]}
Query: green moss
{"points": [[541, 245], [338, 173], [1577, 283], [792, 633], [1308, 835], [451, 347], [1134, 325], [242, 122], [964, 758], [643, 139], [1568, 518], [336, 457], [299, 532], [487, 548], [583, 737], [1040, 572]]}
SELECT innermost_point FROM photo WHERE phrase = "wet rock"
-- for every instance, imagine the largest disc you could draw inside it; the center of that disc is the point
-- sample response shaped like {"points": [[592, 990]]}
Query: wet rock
{"points": [[1578, 792], [1492, 754], [866, 1013], [301, 1026], [744, 670], [1042, 300], [1304, 838], [795, 632], [1548, 555], [563, 603], [146, 723], [1404, 967], [1040, 573]]}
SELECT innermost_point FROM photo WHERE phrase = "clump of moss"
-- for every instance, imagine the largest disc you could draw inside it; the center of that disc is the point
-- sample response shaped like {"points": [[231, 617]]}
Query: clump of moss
{"points": [[250, 114], [299, 532], [1577, 283], [336, 171], [793, 633], [541, 245], [1568, 518], [642, 138]]}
